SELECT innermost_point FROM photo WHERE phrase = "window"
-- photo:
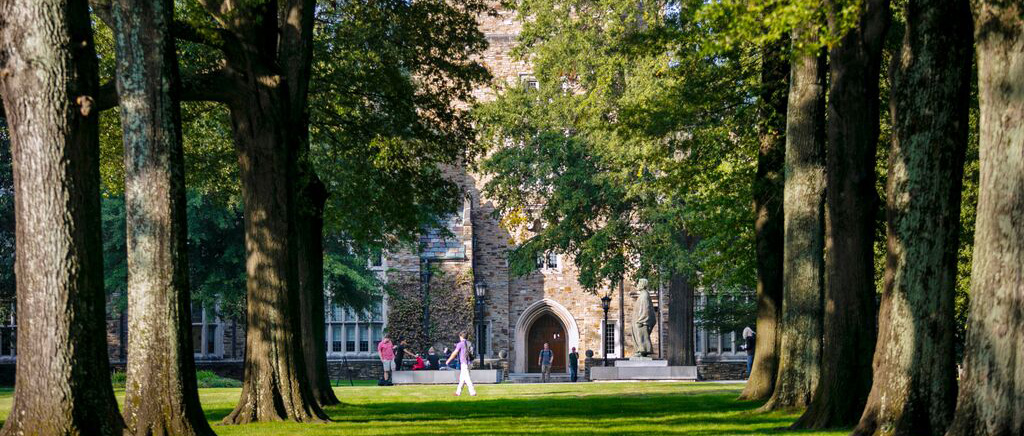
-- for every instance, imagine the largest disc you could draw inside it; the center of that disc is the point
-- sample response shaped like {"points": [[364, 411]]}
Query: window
{"points": [[610, 339], [350, 340], [482, 337], [528, 82], [376, 261], [548, 261], [713, 338], [207, 332], [336, 343], [364, 337], [351, 334]]}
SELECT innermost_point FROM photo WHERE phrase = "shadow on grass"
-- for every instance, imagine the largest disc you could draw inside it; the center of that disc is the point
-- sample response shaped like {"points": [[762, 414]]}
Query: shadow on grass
{"points": [[696, 413]]}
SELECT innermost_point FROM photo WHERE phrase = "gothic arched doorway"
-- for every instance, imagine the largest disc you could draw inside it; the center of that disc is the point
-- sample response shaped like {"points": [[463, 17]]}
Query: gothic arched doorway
{"points": [[547, 328]]}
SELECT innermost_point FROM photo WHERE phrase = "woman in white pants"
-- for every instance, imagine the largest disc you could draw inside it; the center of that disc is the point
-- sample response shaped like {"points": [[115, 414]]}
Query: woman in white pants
{"points": [[462, 351]]}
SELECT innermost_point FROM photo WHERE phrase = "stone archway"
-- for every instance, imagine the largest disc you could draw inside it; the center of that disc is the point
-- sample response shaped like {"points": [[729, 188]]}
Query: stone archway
{"points": [[531, 314]]}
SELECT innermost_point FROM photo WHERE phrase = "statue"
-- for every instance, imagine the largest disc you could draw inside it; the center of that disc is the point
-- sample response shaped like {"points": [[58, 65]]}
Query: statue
{"points": [[643, 320]]}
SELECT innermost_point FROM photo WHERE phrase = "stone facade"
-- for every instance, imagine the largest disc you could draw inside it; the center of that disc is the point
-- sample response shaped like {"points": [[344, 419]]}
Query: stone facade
{"points": [[443, 272]]}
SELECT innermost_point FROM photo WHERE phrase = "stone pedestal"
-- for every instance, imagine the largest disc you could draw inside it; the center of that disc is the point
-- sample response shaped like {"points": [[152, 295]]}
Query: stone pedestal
{"points": [[634, 362], [643, 368]]}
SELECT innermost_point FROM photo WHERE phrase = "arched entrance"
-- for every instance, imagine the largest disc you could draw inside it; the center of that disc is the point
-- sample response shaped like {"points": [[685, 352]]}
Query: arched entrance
{"points": [[546, 329], [532, 313]]}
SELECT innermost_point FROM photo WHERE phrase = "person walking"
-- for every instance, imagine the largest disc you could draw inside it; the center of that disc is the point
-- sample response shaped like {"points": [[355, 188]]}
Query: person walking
{"points": [[750, 339], [574, 364], [544, 360], [386, 351], [462, 351]]}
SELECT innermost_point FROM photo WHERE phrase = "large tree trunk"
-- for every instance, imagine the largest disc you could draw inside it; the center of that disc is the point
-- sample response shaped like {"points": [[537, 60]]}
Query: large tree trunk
{"points": [[296, 55], [914, 389], [679, 335], [311, 288], [48, 80], [275, 385], [804, 259], [992, 390], [160, 357], [852, 130], [769, 234]]}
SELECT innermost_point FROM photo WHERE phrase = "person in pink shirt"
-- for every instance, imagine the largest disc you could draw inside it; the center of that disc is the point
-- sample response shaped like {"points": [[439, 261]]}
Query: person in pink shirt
{"points": [[462, 351], [386, 350]]}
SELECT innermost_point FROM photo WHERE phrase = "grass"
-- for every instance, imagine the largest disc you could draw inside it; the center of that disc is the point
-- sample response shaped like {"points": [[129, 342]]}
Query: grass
{"points": [[584, 408]]}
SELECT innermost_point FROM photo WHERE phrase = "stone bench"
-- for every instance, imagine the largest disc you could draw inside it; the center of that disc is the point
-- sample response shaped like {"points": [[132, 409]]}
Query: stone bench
{"points": [[427, 377], [627, 372]]}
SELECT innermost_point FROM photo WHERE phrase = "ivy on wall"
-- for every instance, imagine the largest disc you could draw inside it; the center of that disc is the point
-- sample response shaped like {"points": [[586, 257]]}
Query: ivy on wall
{"points": [[451, 308]]}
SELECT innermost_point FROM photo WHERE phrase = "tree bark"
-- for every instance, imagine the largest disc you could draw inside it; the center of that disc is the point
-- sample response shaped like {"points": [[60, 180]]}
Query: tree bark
{"points": [[679, 334], [992, 388], [852, 139], [914, 389], [275, 385], [769, 228], [160, 357], [311, 289], [296, 59], [803, 255], [48, 80]]}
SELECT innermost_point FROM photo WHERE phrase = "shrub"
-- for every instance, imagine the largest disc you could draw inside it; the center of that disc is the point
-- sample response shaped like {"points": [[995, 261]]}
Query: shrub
{"points": [[204, 379]]}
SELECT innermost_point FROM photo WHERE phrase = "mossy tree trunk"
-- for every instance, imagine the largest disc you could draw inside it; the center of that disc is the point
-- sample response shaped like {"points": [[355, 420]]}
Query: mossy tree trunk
{"points": [[160, 356], [852, 204], [914, 389], [803, 256], [992, 389], [769, 228], [49, 81]]}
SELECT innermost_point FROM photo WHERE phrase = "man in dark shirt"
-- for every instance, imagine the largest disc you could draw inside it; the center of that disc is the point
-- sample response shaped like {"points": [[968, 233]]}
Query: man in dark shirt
{"points": [[574, 364], [400, 352]]}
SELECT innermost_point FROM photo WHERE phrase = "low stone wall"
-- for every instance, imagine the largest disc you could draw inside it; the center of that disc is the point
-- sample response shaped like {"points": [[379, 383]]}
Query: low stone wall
{"points": [[427, 377], [722, 370], [343, 370]]}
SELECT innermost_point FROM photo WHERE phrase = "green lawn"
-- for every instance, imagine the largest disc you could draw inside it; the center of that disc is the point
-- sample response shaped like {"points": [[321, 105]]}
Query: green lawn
{"points": [[584, 408]]}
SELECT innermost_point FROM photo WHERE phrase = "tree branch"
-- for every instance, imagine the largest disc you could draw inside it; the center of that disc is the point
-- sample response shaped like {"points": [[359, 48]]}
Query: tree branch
{"points": [[106, 96], [213, 86], [188, 32]]}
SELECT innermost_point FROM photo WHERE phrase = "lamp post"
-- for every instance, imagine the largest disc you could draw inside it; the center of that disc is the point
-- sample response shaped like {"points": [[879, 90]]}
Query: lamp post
{"points": [[606, 301], [481, 292]]}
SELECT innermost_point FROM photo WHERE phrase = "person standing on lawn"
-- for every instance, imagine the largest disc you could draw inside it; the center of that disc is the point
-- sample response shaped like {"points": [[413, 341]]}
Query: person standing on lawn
{"points": [[574, 364], [401, 350], [750, 341], [462, 351], [544, 360], [386, 350]]}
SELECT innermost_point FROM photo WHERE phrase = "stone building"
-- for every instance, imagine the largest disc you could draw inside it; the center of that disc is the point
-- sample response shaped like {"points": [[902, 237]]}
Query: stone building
{"points": [[435, 285]]}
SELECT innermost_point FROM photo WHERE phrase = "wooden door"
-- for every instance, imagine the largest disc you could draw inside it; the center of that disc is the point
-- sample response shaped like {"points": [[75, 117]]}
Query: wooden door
{"points": [[548, 329]]}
